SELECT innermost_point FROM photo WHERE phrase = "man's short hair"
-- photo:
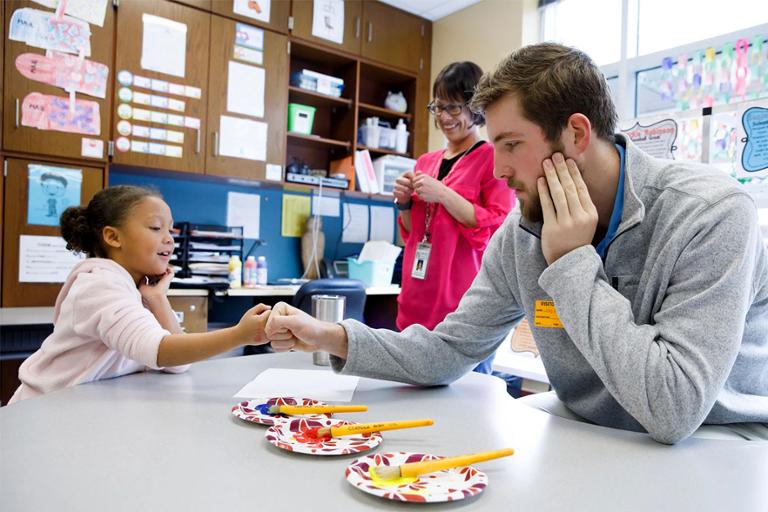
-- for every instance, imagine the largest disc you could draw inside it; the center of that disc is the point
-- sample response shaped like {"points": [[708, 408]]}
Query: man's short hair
{"points": [[552, 82]]}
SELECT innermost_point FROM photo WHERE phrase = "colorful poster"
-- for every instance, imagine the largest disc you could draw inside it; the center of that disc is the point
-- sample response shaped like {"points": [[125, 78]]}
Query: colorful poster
{"points": [[51, 190], [754, 136], [328, 20], [255, 9], [46, 112], [248, 36], [657, 139], [92, 11], [164, 46], [44, 30], [66, 71]]}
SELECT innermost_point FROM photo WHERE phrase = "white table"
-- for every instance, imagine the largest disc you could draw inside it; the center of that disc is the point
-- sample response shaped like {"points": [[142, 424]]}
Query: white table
{"points": [[169, 443]]}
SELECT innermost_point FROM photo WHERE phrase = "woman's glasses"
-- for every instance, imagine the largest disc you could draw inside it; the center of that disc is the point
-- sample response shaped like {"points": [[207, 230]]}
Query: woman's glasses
{"points": [[452, 109]]}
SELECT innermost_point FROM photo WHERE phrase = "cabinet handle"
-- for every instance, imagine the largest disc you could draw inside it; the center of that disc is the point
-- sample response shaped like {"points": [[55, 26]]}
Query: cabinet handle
{"points": [[357, 27], [197, 149], [17, 112], [216, 143], [370, 31]]}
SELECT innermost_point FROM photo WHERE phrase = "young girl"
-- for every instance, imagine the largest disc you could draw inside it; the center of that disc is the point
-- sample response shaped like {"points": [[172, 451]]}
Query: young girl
{"points": [[112, 316]]}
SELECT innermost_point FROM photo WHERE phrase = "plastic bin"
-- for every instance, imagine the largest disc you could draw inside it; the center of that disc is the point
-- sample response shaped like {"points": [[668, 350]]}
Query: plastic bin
{"points": [[388, 168], [372, 273], [300, 118]]}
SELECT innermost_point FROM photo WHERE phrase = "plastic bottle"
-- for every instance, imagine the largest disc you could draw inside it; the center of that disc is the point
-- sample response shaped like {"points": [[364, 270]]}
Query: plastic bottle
{"points": [[249, 277], [261, 270], [235, 268], [401, 139]]}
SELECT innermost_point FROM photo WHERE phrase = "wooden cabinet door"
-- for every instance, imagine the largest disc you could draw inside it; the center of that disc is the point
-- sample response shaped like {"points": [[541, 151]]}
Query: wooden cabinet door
{"points": [[422, 118], [200, 4], [275, 66], [29, 139], [391, 36], [16, 294], [302, 12], [173, 138], [250, 11]]}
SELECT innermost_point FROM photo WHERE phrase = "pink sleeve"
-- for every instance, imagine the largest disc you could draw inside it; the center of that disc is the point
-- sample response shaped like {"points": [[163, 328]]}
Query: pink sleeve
{"points": [[403, 232], [491, 208], [113, 312]]}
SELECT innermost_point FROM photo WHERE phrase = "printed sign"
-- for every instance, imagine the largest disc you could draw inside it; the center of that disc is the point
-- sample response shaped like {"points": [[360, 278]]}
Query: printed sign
{"points": [[754, 155], [657, 139], [46, 112]]}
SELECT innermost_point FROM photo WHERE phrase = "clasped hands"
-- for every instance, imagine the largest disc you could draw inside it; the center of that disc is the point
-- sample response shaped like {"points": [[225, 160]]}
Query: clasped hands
{"points": [[570, 216], [426, 187]]}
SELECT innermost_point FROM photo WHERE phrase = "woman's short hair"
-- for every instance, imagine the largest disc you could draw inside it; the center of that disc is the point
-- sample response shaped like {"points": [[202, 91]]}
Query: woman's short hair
{"points": [[457, 82], [552, 82]]}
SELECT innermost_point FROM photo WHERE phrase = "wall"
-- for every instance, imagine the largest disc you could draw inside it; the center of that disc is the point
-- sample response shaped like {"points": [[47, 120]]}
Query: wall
{"points": [[203, 200], [484, 33]]}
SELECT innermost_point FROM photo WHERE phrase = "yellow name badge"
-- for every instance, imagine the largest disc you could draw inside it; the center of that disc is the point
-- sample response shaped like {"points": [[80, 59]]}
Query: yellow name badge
{"points": [[546, 315]]}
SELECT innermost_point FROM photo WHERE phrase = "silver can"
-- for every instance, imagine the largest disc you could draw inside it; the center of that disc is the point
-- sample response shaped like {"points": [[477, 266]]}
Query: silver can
{"points": [[328, 308]]}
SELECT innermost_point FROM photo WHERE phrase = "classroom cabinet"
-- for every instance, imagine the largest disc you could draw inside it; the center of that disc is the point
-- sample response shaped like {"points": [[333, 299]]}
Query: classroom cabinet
{"points": [[392, 36], [161, 90], [303, 16], [231, 118], [200, 4], [271, 14], [35, 194], [39, 115]]}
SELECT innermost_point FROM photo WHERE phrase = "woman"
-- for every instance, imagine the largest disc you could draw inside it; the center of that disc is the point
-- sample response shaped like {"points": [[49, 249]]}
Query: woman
{"points": [[450, 205]]}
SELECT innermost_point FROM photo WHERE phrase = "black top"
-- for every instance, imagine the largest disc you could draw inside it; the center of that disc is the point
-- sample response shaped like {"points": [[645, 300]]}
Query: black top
{"points": [[447, 163]]}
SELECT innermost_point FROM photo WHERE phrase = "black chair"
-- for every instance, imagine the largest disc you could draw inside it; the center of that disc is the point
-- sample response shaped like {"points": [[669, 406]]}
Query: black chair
{"points": [[352, 289]]}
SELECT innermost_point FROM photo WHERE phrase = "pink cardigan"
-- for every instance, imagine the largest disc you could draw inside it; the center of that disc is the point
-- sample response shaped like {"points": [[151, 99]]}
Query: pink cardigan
{"points": [[456, 250], [101, 330]]}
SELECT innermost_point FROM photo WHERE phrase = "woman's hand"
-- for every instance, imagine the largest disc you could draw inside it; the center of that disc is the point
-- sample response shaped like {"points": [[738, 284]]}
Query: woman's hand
{"points": [[428, 188], [153, 288], [403, 187]]}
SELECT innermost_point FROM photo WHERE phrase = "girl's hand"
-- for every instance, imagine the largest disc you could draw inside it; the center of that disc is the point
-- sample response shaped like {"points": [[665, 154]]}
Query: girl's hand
{"points": [[253, 324], [428, 188], [153, 288], [403, 187]]}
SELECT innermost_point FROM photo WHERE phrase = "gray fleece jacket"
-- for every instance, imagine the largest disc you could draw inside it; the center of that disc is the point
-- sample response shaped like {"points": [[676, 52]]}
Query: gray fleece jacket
{"points": [[669, 332]]}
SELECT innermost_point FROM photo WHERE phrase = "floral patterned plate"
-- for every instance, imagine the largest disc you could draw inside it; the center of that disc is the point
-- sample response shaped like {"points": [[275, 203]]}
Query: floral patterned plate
{"points": [[256, 410], [446, 485], [287, 435]]}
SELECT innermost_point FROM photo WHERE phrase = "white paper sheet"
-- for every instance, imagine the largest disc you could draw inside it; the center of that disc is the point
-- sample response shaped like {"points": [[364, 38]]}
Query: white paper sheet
{"points": [[328, 20], [243, 138], [325, 206], [244, 210], [92, 11], [274, 172], [164, 45], [355, 224], [245, 89], [316, 384], [45, 259], [256, 9], [382, 223]]}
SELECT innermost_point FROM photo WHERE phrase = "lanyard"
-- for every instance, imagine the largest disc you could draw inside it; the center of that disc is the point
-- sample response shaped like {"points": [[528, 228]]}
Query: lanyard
{"points": [[432, 207]]}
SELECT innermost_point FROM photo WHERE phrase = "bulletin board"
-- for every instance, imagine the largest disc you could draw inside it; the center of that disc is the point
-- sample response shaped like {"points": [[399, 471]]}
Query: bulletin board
{"points": [[16, 196]]}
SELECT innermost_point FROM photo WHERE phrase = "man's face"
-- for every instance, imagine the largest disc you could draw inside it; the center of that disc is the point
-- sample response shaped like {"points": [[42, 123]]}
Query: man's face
{"points": [[519, 148]]}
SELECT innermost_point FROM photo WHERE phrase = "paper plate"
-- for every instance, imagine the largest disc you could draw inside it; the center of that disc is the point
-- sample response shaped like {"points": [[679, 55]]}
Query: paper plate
{"points": [[256, 410], [286, 435], [446, 485]]}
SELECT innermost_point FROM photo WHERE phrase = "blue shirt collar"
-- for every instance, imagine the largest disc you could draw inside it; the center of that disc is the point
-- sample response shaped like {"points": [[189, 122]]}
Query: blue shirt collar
{"points": [[618, 208]]}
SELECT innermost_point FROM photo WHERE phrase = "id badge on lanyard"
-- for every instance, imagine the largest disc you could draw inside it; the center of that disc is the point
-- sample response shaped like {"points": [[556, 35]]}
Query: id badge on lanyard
{"points": [[421, 258]]}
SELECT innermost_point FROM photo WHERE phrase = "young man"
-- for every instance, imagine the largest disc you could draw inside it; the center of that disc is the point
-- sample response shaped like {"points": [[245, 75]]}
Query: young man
{"points": [[645, 281]]}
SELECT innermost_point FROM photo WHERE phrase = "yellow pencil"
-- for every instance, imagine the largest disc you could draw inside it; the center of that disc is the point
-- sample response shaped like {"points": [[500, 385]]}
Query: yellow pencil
{"points": [[364, 428], [315, 409], [414, 469]]}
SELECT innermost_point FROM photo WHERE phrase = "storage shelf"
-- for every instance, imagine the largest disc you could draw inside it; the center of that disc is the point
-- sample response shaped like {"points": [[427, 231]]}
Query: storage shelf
{"points": [[383, 151], [316, 98], [381, 111], [300, 138]]}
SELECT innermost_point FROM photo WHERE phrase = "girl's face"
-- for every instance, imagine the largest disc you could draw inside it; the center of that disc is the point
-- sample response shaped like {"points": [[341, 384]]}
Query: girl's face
{"points": [[143, 245]]}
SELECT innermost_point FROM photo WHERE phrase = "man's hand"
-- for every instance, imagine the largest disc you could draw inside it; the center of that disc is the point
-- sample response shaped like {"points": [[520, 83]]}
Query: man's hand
{"points": [[570, 217], [292, 329], [428, 188], [403, 187]]}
